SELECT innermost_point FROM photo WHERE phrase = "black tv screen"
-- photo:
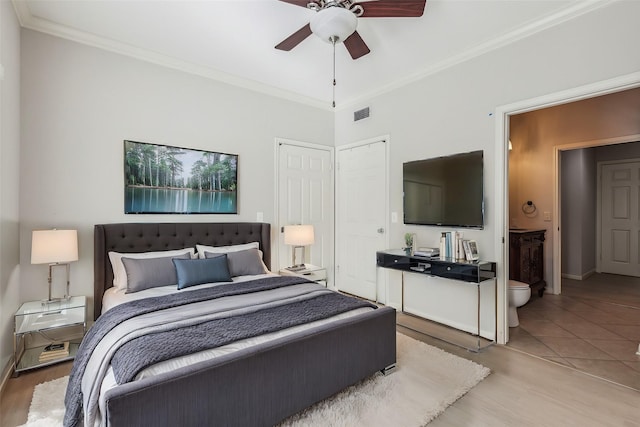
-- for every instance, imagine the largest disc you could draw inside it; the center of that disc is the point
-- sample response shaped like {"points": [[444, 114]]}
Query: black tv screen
{"points": [[446, 191]]}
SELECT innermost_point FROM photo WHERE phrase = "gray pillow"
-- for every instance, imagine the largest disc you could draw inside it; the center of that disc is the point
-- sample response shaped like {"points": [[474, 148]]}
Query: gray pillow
{"points": [[193, 272], [243, 263], [145, 273]]}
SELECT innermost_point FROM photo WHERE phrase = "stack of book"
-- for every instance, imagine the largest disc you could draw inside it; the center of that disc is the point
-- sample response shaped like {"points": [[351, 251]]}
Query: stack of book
{"points": [[54, 351], [453, 246]]}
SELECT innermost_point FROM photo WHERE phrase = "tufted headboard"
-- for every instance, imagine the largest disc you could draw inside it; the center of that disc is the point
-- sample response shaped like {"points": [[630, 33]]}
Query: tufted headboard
{"points": [[145, 237]]}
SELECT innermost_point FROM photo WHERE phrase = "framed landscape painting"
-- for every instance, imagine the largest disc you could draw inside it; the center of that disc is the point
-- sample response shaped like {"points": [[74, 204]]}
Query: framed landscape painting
{"points": [[160, 179]]}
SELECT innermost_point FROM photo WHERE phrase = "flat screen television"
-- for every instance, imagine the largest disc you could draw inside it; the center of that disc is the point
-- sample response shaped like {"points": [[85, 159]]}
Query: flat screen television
{"points": [[445, 191]]}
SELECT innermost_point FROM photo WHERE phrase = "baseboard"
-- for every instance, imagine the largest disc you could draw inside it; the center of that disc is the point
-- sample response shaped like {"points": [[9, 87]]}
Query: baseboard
{"points": [[6, 374], [583, 276]]}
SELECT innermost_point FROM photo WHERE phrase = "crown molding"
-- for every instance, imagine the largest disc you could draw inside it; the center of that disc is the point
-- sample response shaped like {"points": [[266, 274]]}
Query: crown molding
{"points": [[570, 12], [27, 20]]}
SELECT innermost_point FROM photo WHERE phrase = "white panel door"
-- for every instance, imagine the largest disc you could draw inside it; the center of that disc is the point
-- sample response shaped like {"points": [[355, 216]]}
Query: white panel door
{"points": [[361, 217], [305, 196], [620, 216]]}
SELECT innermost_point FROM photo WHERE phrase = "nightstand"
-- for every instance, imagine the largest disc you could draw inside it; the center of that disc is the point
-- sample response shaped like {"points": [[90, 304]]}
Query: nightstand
{"points": [[311, 272], [38, 324]]}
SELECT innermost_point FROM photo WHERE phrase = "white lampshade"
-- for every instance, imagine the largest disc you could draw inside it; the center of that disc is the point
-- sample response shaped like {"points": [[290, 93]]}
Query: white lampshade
{"points": [[298, 235], [54, 246], [335, 22]]}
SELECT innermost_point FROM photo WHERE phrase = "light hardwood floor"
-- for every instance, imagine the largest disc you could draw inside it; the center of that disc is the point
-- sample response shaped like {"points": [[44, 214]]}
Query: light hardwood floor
{"points": [[16, 396], [522, 390]]}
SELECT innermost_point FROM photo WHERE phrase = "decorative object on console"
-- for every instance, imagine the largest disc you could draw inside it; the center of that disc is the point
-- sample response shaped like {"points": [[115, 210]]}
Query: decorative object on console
{"points": [[56, 248], [452, 245], [427, 252], [470, 250], [178, 180], [298, 236], [410, 243]]}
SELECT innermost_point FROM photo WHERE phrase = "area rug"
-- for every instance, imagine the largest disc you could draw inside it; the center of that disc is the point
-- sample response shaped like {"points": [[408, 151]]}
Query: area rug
{"points": [[426, 381]]}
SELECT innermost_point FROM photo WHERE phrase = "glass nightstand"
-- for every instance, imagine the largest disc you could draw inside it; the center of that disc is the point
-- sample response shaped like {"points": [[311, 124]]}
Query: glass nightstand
{"points": [[311, 272], [39, 324]]}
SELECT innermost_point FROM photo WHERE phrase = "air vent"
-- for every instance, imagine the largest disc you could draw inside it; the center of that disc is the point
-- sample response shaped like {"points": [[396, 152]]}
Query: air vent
{"points": [[361, 114]]}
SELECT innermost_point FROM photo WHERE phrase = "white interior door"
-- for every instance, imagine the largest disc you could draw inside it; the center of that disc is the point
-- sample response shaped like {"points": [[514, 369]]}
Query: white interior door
{"points": [[361, 217], [620, 216], [306, 196]]}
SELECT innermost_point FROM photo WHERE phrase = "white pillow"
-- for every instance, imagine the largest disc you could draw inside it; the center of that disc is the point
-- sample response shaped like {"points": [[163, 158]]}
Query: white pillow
{"points": [[225, 249], [119, 272]]}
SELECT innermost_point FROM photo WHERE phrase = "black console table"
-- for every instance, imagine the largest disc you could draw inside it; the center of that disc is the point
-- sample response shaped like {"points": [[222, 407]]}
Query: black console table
{"points": [[473, 272], [468, 271]]}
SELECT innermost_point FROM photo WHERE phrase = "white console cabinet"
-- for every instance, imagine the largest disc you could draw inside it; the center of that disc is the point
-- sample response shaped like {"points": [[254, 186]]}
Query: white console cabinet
{"points": [[458, 294]]}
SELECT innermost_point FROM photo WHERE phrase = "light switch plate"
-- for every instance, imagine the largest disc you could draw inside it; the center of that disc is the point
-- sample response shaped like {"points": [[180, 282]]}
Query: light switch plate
{"points": [[547, 216], [259, 217], [394, 217]]}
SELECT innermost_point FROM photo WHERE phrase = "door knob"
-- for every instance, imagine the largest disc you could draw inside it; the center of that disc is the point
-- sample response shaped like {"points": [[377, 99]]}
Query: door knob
{"points": [[381, 230]]}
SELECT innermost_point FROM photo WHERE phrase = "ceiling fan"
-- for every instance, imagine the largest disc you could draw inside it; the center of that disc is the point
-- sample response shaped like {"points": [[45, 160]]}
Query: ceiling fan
{"points": [[336, 20]]}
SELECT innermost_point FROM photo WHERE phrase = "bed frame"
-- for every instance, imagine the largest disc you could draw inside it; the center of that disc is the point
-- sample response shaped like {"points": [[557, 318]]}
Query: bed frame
{"points": [[258, 386]]}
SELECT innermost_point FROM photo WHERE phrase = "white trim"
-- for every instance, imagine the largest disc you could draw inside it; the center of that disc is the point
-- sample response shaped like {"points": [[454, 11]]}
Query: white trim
{"points": [[583, 276], [617, 84], [574, 10], [6, 373], [27, 20]]}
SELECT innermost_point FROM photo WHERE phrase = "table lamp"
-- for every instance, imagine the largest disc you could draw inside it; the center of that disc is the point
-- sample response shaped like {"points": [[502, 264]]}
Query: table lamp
{"points": [[56, 248], [298, 236]]}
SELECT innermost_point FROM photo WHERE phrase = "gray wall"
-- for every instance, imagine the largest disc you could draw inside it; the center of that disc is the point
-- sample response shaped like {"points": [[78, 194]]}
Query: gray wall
{"points": [[78, 105], [579, 194], [452, 110], [579, 204], [9, 177]]}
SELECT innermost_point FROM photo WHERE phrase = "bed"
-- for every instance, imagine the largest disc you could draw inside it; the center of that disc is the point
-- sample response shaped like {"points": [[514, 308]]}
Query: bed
{"points": [[261, 384]]}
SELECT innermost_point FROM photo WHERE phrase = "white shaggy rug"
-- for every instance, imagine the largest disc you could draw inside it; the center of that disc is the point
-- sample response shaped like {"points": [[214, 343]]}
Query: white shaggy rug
{"points": [[426, 381]]}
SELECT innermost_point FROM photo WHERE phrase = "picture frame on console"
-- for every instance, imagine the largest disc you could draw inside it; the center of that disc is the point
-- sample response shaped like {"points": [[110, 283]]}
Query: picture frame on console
{"points": [[163, 179], [470, 250]]}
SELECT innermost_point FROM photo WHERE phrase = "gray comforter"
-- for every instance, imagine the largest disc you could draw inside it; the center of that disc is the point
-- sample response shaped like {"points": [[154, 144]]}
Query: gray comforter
{"points": [[175, 339]]}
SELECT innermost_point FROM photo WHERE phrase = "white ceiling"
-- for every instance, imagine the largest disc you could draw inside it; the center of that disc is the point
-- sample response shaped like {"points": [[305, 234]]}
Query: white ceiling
{"points": [[233, 40]]}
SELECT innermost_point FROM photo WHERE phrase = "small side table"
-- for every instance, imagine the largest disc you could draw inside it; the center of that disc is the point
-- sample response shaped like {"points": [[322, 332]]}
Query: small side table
{"points": [[40, 323], [311, 272]]}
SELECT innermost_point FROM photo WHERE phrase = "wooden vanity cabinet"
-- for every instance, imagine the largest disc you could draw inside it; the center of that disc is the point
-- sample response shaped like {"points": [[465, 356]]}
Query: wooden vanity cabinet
{"points": [[526, 258]]}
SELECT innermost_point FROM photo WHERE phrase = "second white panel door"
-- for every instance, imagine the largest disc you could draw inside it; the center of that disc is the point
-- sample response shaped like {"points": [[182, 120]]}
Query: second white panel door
{"points": [[361, 217]]}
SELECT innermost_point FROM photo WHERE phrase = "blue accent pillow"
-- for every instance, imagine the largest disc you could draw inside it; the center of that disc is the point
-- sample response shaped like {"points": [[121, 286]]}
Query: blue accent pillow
{"points": [[193, 272]]}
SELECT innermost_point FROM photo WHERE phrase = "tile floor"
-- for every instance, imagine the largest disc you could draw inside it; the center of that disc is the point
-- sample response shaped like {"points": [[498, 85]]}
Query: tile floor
{"points": [[593, 326]]}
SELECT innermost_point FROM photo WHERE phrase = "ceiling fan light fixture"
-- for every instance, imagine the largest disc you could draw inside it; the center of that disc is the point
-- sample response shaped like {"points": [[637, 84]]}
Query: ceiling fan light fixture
{"points": [[334, 24]]}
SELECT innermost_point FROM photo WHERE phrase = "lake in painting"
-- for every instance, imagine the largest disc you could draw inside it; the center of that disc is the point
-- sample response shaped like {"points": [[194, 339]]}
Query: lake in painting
{"points": [[168, 200]]}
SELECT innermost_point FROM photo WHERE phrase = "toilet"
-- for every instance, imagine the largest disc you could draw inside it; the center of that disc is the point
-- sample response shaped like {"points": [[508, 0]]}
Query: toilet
{"points": [[519, 294]]}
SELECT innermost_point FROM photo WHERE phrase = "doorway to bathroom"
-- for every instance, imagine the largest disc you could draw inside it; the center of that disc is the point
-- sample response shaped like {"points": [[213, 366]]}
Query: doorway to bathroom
{"points": [[576, 323]]}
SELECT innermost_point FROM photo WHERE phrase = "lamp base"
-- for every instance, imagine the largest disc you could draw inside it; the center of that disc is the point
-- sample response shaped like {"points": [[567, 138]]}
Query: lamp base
{"points": [[65, 298]]}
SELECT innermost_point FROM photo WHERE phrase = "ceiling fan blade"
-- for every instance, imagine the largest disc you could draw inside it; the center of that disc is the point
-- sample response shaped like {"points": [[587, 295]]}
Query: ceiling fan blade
{"points": [[393, 8], [295, 39], [356, 46], [302, 3]]}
